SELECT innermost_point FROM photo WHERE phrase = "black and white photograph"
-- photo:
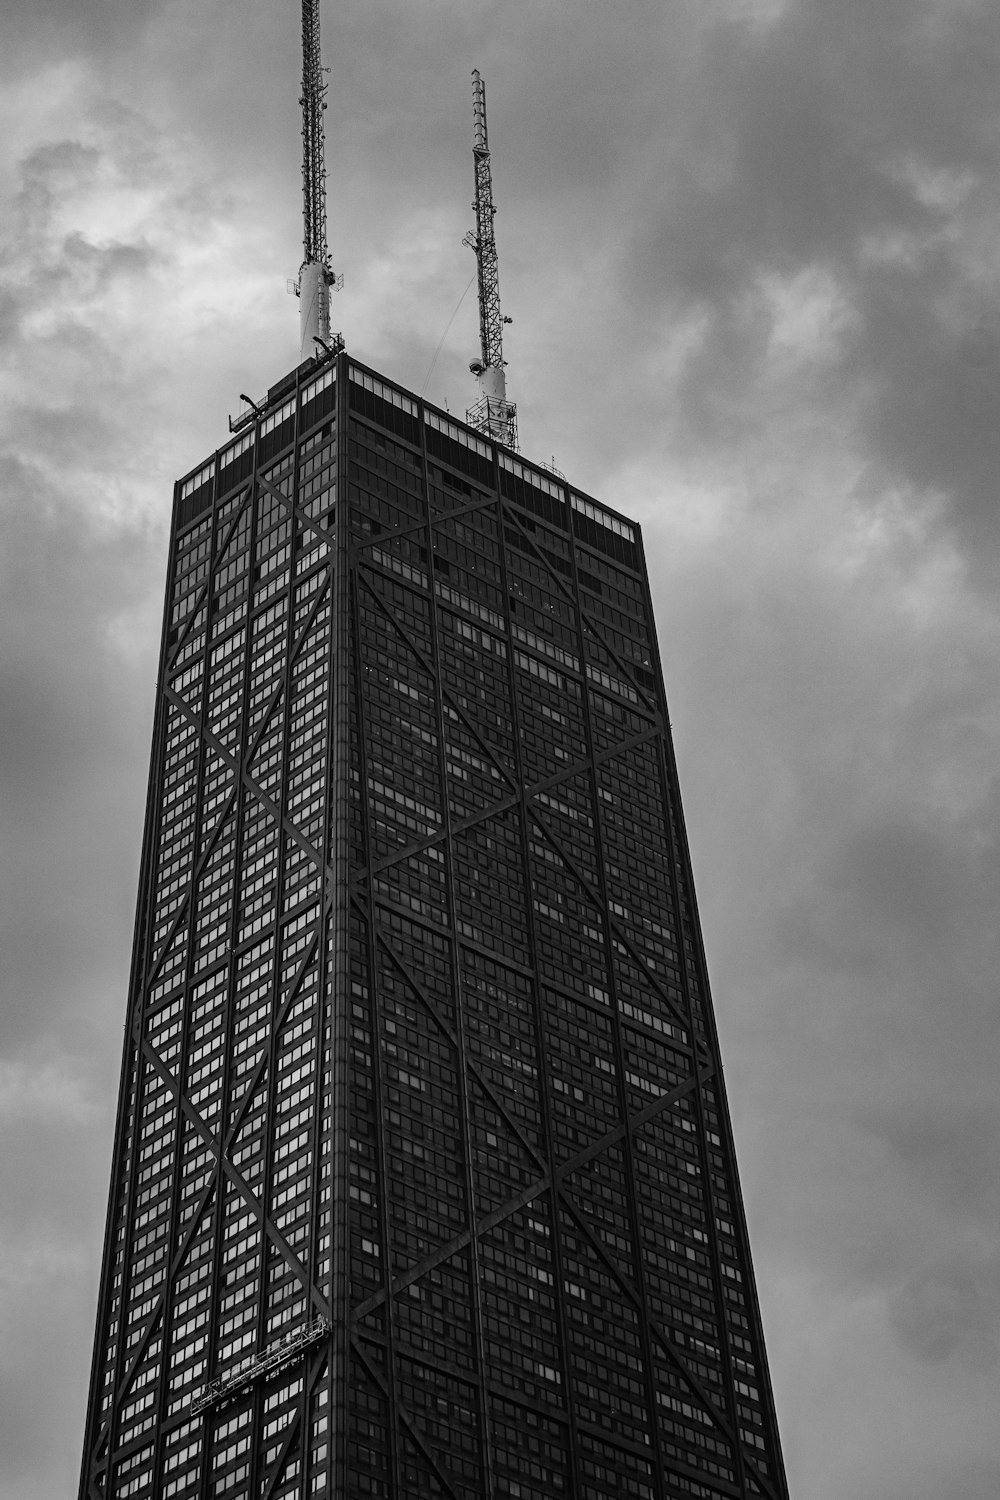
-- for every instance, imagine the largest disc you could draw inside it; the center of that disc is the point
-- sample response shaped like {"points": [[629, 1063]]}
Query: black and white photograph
{"points": [[499, 728]]}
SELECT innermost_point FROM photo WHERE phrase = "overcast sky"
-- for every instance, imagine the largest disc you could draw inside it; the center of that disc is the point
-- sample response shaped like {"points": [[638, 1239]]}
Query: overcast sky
{"points": [[751, 253]]}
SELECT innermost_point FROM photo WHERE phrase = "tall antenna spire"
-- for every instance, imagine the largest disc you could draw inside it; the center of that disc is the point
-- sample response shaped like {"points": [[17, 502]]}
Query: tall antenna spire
{"points": [[492, 414], [316, 275]]}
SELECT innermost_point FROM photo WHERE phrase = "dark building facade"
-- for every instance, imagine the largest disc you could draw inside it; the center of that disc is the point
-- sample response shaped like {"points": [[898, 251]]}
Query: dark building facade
{"points": [[423, 1180]]}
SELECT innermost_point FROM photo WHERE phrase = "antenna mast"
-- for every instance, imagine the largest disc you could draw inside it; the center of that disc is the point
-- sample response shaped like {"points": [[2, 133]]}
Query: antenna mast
{"points": [[316, 275], [492, 414]]}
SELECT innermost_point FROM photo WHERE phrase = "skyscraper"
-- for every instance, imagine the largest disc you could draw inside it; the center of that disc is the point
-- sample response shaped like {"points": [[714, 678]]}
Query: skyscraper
{"points": [[423, 1183]]}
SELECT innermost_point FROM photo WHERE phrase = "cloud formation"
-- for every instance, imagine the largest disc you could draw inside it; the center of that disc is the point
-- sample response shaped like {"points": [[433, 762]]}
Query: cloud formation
{"points": [[750, 251]]}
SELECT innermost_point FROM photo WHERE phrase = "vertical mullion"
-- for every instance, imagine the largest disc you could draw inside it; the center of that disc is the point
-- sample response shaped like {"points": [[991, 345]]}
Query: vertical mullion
{"points": [[540, 1035], [377, 1071], [338, 957], [187, 981], [281, 1006], [222, 1131], [324, 1062], [638, 1250], [465, 1103]]}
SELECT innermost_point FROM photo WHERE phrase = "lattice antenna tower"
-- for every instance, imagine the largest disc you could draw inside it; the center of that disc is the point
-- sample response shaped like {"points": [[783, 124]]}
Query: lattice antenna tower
{"points": [[316, 275], [492, 414]]}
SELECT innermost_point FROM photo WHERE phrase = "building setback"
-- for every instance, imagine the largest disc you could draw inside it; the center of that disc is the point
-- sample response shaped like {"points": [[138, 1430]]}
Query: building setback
{"points": [[423, 1179]]}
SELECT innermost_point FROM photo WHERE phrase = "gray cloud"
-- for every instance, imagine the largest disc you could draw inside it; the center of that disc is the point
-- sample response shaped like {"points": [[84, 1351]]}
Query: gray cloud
{"points": [[79, 581], [859, 140], [969, 1478], [749, 250], [951, 1310], [87, 30], [952, 1148], [62, 772]]}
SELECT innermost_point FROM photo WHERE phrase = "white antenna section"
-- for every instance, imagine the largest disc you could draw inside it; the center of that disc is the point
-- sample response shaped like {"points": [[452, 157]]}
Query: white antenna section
{"points": [[316, 275], [492, 414]]}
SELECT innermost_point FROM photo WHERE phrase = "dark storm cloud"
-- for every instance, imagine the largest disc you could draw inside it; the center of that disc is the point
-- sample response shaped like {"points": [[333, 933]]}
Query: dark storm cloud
{"points": [[89, 244], [62, 772], [934, 369], [834, 691], [80, 579], [859, 139], [749, 250], [47, 270]]}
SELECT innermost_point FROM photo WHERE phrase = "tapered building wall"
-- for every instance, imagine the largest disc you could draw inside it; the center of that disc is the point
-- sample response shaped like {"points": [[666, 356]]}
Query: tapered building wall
{"points": [[423, 1181]]}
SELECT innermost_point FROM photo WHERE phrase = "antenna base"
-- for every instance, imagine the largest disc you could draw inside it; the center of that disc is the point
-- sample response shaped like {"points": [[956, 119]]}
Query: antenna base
{"points": [[496, 418], [315, 281]]}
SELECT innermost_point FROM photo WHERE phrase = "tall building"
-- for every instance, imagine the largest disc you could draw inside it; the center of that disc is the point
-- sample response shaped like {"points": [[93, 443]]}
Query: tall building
{"points": [[423, 1182]]}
